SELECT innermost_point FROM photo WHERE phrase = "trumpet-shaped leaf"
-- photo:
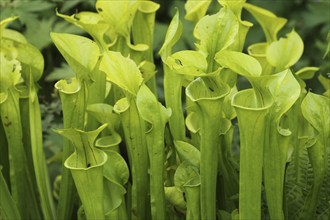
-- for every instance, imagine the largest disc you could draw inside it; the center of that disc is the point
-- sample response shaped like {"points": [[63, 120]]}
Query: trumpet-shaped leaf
{"points": [[316, 110], [119, 15], [195, 10], [157, 115], [270, 23], [252, 124], [216, 32], [116, 175], [235, 6], [258, 51], [187, 179], [122, 71], [91, 22], [208, 101], [83, 142], [89, 182], [285, 52]]}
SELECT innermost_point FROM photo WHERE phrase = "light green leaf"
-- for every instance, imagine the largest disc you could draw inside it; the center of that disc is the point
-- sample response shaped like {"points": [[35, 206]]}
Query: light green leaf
{"points": [[10, 73], [122, 71], [8, 207], [192, 122], [84, 156], [325, 81], [195, 10], [186, 175], [104, 114], [89, 183], [216, 32], [119, 15], [109, 142], [252, 124], [285, 52], [150, 109], [280, 85], [31, 60], [188, 62], [5, 22], [116, 175], [307, 72], [91, 22], [13, 35], [316, 109], [270, 23], [258, 51], [173, 34], [240, 63], [157, 115], [69, 86], [81, 53], [188, 153]]}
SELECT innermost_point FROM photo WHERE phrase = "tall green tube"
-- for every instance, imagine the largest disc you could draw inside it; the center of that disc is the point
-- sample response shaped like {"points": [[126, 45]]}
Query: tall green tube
{"points": [[252, 122]]}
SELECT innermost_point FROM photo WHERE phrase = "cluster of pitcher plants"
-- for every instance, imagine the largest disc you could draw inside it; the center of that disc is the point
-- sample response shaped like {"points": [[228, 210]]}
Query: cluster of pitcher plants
{"points": [[128, 156]]}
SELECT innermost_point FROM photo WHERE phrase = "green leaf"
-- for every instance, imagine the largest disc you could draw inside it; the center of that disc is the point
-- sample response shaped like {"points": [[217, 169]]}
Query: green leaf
{"points": [[235, 6], [285, 52], [251, 150], [4, 23], [307, 72], [316, 110], [81, 53], [10, 73], [122, 71], [31, 60], [270, 23], [91, 22], [258, 51], [8, 207], [195, 10], [119, 15], [104, 114], [69, 86], [157, 115], [173, 34], [83, 142], [216, 32], [325, 81], [280, 85], [187, 179], [89, 183], [13, 35], [188, 153], [240, 63], [188, 62], [116, 172]]}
